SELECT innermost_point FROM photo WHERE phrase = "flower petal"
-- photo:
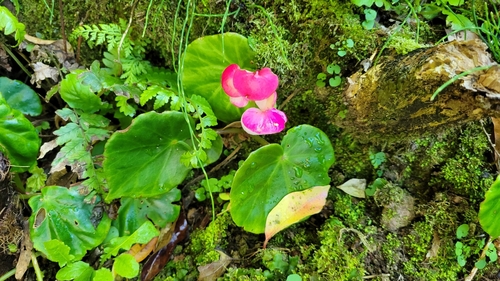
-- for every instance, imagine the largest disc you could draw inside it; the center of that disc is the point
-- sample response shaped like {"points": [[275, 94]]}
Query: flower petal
{"points": [[227, 81], [257, 85], [239, 101], [268, 103], [257, 122]]}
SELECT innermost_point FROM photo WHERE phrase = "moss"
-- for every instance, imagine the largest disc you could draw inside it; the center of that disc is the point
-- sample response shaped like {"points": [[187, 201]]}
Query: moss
{"points": [[351, 210], [389, 247], [404, 42], [203, 243], [335, 259]]}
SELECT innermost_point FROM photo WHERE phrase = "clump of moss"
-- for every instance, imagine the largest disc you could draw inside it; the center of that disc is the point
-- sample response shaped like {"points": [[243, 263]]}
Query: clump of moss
{"points": [[403, 41], [335, 259], [204, 242], [467, 172]]}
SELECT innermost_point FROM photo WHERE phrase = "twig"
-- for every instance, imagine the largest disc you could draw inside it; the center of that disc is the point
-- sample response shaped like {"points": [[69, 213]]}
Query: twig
{"points": [[228, 159], [376, 275], [61, 18], [483, 254], [282, 105], [124, 35]]}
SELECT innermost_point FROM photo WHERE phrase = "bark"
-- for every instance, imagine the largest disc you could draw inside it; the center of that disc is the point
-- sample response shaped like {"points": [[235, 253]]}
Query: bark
{"points": [[392, 99]]}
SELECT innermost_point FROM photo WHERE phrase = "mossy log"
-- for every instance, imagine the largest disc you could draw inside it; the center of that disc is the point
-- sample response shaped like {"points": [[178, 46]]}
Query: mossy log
{"points": [[393, 98]]}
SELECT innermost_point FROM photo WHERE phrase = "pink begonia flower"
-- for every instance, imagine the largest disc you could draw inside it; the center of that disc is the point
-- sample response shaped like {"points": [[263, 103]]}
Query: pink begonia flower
{"points": [[242, 85], [257, 122], [264, 120]]}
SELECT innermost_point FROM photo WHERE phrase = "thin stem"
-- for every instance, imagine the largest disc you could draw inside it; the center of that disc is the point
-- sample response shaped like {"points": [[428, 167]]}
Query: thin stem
{"points": [[18, 183], [124, 35], [456, 77], [147, 17], [38, 272], [11, 54], [7, 275]]}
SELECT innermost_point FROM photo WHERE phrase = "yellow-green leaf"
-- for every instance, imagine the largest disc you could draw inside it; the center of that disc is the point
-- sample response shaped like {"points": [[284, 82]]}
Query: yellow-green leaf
{"points": [[295, 207]]}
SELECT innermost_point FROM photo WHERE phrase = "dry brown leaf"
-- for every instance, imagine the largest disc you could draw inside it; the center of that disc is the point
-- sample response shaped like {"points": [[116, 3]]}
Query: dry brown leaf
{"points": [[212, 271], [42, 72], [354, 187], [24, 259], [47, 147], [496, 135], [4, 60], [141, 251], [436, 243]]}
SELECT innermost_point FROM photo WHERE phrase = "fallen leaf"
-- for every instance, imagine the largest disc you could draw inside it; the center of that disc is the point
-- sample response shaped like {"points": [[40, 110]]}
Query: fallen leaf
{"points": [[47, 147], [42, 72], [24, 259], [212, 271], [293, 208], [436, 243], [354, 187], [141, 251]]}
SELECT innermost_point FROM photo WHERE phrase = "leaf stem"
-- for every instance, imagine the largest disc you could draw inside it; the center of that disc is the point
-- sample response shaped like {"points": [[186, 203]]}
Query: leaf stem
{"points": [[38, 272], [7, 275], [456, 77]]}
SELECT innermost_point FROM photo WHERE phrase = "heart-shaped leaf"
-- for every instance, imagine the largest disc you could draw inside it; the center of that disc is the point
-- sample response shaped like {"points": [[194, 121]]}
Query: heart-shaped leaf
{"points": [[20, 96], [205, 60], [273, 171], [335, 81], [18, 138], [134, 212], [144, 159], [489, 210], [63, 214], [294, 207]]}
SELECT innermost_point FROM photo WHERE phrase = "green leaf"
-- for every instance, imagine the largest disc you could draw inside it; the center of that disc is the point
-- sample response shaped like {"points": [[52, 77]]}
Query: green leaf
{"points": [[58, 252], [9, 24], [341, 53], [134, 212], [480, 264], [333, 68], [103, 274], [20, 96], [126, 266], [37, 179], [349, 43], [79, 271], [370, 15], [360, 3], [489, 210], [457, 21], [18, 138], [273, 171], [204, 61], [61, 213], [144, 159], [335, 81], [142, 235], [462, 231], [78, 95]]}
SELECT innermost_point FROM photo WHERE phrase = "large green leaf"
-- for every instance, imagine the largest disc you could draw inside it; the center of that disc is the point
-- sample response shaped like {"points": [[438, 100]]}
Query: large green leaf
{"points": [[134, 212], [273, 171], [204, 61], [490, 209], [9, 24], [78, 95], [20, 96], [144, 159], [18, 138], [64, 214]]}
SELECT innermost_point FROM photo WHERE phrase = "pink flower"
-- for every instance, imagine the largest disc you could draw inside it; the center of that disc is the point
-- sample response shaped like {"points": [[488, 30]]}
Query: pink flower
{"points": [[243, 86]]}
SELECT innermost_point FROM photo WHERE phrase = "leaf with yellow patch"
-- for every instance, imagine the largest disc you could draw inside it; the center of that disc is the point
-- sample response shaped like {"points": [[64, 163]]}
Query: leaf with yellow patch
{"points": [[294, 207]]}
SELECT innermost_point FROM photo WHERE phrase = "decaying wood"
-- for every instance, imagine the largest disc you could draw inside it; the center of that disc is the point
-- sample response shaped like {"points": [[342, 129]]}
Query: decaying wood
{"points": [[393, 97]]}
